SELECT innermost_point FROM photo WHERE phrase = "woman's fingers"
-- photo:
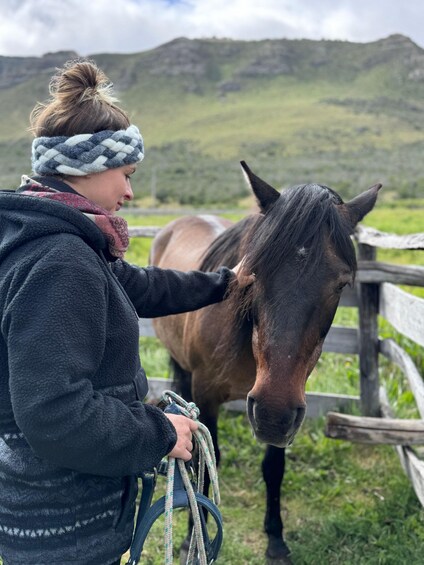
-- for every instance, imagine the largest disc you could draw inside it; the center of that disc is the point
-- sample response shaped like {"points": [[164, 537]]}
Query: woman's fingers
{"points": [[244, 279], [185, 427]]}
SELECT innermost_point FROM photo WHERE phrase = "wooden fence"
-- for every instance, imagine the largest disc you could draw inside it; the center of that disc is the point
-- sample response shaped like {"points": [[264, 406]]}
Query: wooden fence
{"points": [[378, 295], [375, 294]]}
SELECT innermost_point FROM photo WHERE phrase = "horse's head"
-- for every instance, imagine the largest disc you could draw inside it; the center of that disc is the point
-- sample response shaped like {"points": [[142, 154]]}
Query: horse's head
{"points": [[301, 252]]}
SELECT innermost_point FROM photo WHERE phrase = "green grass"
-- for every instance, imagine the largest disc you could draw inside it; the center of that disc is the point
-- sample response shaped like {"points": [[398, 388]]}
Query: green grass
{"points": [[342, 503]]}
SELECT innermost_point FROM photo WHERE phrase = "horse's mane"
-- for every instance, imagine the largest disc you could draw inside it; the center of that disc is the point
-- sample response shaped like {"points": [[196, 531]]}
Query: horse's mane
{"points": [[226, 248], [298, 223]]}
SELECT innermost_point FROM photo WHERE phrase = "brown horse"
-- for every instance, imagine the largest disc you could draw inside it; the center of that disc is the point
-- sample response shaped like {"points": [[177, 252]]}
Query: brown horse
{"points": [[262, 342]]}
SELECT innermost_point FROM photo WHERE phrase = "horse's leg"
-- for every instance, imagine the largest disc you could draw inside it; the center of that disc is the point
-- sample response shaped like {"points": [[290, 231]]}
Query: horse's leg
{"points": [[273, 466], [182, 380]]}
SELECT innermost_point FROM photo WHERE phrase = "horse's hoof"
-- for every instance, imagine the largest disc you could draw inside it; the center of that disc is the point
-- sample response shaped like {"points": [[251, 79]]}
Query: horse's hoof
{"points": [[283, 560], [277, 552]]}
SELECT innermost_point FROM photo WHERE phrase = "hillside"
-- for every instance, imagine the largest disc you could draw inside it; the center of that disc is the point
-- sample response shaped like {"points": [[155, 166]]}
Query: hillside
{"points": [[339, 113]]}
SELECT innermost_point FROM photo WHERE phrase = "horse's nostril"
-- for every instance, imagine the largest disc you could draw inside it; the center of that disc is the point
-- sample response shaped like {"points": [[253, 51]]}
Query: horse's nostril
{"points": [[299, 415], [251, 407]]}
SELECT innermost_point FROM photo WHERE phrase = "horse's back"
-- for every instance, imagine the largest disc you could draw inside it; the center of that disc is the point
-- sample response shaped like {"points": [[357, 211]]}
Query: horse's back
{"points": [[182, 243]]}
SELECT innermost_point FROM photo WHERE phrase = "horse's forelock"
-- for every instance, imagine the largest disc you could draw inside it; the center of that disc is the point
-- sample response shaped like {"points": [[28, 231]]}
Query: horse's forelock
{"points": [[299, 220]]}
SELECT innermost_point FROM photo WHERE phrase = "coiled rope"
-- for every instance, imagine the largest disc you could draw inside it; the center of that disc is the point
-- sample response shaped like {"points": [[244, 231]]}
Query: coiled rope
{"points": [[206, 460], [182, 491]]}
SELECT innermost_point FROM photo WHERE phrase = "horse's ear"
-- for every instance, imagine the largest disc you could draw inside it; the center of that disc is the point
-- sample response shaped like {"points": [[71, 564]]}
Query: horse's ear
{"points": [[359, 206], [265, 194]]}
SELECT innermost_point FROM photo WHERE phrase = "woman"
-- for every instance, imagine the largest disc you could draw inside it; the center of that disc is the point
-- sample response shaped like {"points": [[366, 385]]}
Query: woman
{"points": [[74, 433]]}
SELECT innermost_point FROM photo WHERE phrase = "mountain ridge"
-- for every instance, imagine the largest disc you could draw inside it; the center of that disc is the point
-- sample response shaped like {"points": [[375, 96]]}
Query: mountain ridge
{"points": [[295, 108], [271, 57]]}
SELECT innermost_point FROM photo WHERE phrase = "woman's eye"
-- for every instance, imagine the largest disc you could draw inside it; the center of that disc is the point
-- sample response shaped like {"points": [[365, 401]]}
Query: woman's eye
{"points": [[130, 173]]}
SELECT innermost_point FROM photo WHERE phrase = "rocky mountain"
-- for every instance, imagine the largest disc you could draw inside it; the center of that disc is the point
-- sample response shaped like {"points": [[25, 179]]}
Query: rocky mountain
{"points": [[298, 109], [17, 70]]}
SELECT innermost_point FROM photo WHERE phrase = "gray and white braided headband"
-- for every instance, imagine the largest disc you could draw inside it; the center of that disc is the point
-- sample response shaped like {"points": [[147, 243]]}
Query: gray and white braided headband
{"points": [[87, 153]]}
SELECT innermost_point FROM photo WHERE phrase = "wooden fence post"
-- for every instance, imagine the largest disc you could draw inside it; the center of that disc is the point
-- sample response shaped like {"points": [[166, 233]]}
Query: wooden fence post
{"points": [[368, 339]]}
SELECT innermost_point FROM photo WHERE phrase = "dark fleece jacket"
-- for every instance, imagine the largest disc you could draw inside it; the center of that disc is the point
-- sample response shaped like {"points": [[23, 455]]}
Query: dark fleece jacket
{"points": [[74, 432]]}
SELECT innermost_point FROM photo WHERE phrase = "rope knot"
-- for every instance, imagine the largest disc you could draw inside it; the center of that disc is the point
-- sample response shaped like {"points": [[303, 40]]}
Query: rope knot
{"points": [[188, 409], [193, 411]]}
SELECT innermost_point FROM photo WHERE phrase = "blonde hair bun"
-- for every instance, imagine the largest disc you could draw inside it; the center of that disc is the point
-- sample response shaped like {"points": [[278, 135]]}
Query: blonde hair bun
{"points": [[82, 101], [80, 81]]}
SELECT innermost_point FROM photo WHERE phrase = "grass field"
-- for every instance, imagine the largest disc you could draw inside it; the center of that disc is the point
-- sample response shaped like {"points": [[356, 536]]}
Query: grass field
{"points": [[343, 503]]}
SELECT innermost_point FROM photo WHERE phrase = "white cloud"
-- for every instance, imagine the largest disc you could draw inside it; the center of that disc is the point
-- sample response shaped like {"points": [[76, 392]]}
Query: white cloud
{"points": [[34, 27]]}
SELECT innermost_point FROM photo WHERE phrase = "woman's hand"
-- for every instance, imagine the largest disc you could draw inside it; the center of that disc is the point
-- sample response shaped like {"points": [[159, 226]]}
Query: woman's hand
{"points": [[244, 279], [184, 427]]}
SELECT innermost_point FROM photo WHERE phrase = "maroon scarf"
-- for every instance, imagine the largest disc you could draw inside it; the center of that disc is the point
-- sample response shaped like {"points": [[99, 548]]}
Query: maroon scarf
{"points": [[113, 227]]}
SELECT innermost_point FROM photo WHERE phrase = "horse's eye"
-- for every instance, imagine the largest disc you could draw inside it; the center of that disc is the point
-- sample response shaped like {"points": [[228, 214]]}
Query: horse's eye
{"points": [[341, 286]]}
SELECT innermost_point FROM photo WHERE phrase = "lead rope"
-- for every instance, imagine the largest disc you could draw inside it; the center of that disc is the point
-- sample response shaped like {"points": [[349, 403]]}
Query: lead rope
{"points": [[206, 459]]}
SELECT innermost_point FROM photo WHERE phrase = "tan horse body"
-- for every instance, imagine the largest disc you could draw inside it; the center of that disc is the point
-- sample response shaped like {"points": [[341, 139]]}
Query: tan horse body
{"points": [[191, 338]]}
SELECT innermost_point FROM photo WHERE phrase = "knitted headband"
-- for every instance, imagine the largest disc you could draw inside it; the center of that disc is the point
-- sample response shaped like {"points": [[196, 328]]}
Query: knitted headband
{"points": [[87, 153]]}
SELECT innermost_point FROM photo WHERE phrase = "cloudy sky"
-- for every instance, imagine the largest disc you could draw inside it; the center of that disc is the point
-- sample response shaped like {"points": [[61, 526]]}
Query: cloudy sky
{"points": [[35, 27]]}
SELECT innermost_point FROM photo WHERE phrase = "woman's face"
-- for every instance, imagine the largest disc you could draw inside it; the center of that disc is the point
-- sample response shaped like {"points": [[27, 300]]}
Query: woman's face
{"points": [[109, 189]]}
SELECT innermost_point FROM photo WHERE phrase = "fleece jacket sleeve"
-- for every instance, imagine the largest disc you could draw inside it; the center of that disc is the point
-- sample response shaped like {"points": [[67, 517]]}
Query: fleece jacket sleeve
{"points": [[159, 292], [54, 323]]}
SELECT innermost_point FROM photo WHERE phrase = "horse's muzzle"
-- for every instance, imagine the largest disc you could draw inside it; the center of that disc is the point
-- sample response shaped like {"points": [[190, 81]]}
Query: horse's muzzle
{"points": [[273, 425]]}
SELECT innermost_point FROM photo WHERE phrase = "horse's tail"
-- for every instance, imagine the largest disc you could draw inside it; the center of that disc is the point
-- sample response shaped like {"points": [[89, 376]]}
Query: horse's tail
{"points": [[182, 380]]}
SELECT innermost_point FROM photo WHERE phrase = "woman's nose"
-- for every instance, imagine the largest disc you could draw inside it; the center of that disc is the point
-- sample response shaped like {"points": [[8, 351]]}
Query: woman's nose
{"points": [[129, 194]]}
